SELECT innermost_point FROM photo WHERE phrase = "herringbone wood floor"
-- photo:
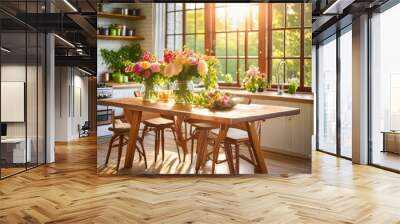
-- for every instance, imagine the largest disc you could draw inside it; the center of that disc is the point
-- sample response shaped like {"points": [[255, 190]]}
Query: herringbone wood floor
{"points": [[71, 192], [277, 163]]}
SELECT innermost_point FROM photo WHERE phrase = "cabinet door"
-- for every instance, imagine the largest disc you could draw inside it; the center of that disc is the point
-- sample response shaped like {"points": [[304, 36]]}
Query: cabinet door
{"points": [[276, 134]]}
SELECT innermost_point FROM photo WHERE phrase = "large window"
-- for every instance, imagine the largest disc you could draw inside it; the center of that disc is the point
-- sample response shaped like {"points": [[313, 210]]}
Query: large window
{"points": [[326, 96], [346, 92], [385, 89], [236, 38], [334, 94], [290, 42], [243, 34]]}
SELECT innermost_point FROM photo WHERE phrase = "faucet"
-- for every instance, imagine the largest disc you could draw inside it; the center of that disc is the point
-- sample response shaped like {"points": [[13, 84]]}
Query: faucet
{"points": [[281, 84]]}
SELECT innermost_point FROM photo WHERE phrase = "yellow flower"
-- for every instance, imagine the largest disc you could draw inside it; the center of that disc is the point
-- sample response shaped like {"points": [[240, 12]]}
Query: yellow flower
{"points": [[145, 64]]}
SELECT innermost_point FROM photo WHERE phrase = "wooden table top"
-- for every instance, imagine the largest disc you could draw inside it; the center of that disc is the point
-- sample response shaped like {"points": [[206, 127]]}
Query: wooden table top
{"points": [[240, 113]]}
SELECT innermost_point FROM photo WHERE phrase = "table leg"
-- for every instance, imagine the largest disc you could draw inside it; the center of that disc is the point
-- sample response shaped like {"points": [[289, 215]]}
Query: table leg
{"points": [[221, 136], [180, 139], [252, 132], [134, 118], [229, 157], [201, 148]]}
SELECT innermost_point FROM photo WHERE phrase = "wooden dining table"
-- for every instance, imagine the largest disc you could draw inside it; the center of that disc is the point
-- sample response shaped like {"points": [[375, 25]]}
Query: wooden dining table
{"points": [[245, 115]]}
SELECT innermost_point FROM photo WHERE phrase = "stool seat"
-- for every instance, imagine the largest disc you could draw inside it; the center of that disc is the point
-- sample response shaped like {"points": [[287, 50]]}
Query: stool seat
{"points": [[234, 134], [158, 122], [120, 126], [204, 125]]}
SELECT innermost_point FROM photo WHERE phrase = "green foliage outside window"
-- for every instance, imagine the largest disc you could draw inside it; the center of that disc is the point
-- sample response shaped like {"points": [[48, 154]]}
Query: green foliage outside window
{"points": [[237, 30]]}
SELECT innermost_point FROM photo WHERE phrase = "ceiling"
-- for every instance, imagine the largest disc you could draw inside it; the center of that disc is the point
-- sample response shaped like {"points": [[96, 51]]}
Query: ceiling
{"points": [[73, 20], [332, 15]]}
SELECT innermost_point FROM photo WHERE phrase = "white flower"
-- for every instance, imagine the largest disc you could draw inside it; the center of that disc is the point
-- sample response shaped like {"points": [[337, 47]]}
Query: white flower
{"points": [[202, 67], [172, 69]]}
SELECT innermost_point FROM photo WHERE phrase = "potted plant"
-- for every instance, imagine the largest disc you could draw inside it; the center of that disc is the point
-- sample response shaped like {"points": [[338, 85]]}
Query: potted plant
{"points": [[117, 60], [254, 80], [103, 31], [118, 77], [262, 84], [293, 85], [113, 29]]}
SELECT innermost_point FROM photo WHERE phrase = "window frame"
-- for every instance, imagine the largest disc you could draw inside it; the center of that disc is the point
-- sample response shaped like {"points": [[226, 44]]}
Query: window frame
{"points": [[264, 40]]}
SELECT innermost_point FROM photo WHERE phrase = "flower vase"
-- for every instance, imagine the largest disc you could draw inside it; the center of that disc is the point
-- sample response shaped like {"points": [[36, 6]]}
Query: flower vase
{"points": [[149, 92], [183, 92]]}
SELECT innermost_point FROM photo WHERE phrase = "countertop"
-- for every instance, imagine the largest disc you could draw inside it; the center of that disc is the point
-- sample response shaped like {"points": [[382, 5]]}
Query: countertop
{"points": [[307, 98], [126, 85]]}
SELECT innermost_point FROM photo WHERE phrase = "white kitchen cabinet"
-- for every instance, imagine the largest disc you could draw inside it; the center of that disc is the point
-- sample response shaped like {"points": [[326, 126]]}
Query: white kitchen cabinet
{"points": [[290, 135]]}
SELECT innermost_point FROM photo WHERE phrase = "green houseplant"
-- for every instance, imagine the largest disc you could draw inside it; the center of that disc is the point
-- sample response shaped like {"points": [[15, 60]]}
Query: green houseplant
{"points": [[113, 29], [293, 85], [117, 60]]}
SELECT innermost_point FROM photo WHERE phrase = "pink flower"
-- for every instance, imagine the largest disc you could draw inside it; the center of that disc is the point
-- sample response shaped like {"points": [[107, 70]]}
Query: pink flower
{"points": [[193, 60], [169, 56], [155, 67], [202, 67], [147, 74], [147, 56], [137, 69]]}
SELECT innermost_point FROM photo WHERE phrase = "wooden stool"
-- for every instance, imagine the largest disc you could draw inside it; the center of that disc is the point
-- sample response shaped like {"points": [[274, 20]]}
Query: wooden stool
{"points": [[201, 133], [120, 130], [158, 125], [238, 137]]}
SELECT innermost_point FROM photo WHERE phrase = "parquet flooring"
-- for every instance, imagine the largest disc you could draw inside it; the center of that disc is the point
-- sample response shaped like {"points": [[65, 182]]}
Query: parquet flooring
{"points": [[70, 191], [277, 163]]}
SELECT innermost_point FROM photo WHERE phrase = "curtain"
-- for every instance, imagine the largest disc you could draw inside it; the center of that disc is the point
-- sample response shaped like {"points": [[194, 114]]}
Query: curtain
{"points": [[159, 21]]}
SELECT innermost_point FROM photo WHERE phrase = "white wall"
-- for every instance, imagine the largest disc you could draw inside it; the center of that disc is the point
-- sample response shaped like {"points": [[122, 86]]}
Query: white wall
{"points": [[71, 102], [143, 28]]}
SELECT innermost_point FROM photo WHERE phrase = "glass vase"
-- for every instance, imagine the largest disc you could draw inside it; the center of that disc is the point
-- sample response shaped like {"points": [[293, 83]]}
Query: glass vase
{"points": [[149, 92], [183, 91]]}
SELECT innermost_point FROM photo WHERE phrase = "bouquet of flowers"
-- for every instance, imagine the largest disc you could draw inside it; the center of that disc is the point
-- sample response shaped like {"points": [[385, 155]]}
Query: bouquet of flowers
{"points": [[148, 72], [254, 79], [182, 67], [214, 99]]}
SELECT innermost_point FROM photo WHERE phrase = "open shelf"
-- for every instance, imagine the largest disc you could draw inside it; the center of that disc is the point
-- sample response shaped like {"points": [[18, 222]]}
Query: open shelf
{"points": [[119, 16], [132, 38]]}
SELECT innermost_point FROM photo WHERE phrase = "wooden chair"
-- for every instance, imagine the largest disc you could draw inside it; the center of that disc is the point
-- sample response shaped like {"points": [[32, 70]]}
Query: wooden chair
{"points": [[120, 129], [159, 125]]}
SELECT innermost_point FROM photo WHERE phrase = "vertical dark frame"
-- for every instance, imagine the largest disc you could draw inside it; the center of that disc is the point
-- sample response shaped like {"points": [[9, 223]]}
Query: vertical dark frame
{"points": [[338, 74], [316, 98], [26, 87], [369, 90]]}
